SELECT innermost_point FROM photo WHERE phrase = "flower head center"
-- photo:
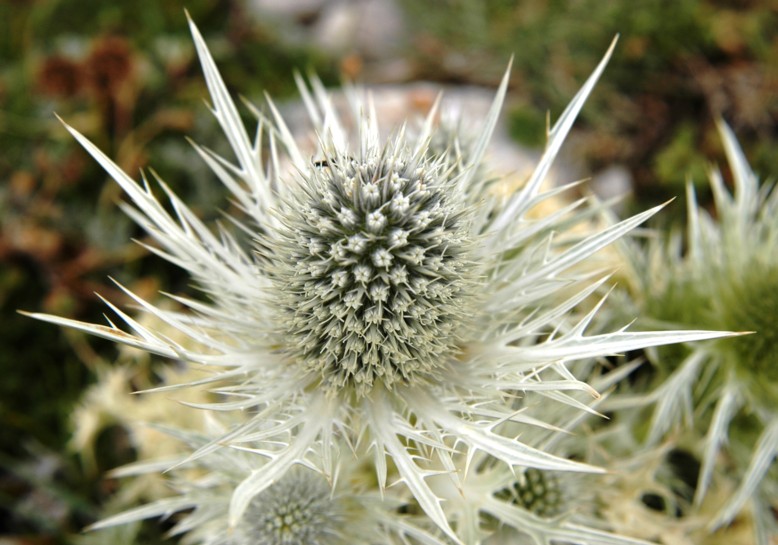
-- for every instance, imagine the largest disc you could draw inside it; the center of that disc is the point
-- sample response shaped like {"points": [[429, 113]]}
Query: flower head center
{"points": [[374, 272], [298, 510], [537, 491]]}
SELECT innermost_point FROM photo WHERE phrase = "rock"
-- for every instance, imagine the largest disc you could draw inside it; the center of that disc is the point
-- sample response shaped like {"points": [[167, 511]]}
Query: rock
{"points": [[373, 29]]}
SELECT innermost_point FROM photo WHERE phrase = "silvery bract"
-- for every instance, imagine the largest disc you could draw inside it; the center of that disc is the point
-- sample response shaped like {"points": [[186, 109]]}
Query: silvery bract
{"points": [[379, 296]]}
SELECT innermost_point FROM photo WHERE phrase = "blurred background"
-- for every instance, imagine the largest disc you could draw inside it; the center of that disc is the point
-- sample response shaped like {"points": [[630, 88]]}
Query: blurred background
{"points": [[125, 74]]}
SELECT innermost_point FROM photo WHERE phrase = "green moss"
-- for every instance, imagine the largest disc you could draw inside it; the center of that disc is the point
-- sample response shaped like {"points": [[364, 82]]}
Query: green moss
{"points": [[669, 77], [680, 160], [528, 126]]}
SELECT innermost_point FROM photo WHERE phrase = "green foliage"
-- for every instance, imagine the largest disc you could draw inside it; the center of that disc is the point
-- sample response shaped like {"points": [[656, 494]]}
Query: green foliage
{"points": [[679, 65], [680, 159], [528, 126]]}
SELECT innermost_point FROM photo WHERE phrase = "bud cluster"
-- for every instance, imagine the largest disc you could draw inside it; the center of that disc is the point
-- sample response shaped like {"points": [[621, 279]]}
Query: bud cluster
{"points": [[537, 491]]}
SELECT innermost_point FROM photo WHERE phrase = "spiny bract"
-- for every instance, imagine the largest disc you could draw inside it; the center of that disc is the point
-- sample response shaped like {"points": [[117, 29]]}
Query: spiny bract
{"points": [[301, 508]]}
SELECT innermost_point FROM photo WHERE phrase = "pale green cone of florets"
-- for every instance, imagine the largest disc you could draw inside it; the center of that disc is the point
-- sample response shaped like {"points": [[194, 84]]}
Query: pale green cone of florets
{"points": [[537, 491], [298, 510], [498, 506], [373, 270]]}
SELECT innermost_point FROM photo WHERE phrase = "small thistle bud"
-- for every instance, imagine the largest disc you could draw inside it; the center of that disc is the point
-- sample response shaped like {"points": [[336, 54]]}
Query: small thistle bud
{"points": [[385, 302], [298, 510], [537, 491]]}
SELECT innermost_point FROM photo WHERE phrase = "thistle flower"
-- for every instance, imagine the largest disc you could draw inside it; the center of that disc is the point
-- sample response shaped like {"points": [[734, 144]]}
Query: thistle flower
{"points": [[375, 296], [301, 508], [498, 505], [726, 391]]}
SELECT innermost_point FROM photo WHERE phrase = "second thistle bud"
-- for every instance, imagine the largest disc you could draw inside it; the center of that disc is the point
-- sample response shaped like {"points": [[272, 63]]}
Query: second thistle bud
{"points": [[298, 510], [537, 491]]}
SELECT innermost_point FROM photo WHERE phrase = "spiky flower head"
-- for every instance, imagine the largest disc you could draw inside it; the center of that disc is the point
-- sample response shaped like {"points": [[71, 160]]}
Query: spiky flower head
{"points": [[722, 274], [374, 269], [537, 491], [297, 510], [498, 505], [378, 296], [301, 508]]}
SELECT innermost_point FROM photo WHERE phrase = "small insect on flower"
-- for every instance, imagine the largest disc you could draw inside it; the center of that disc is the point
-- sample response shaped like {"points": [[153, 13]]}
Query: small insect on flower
{"points": [[384, 298]]}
